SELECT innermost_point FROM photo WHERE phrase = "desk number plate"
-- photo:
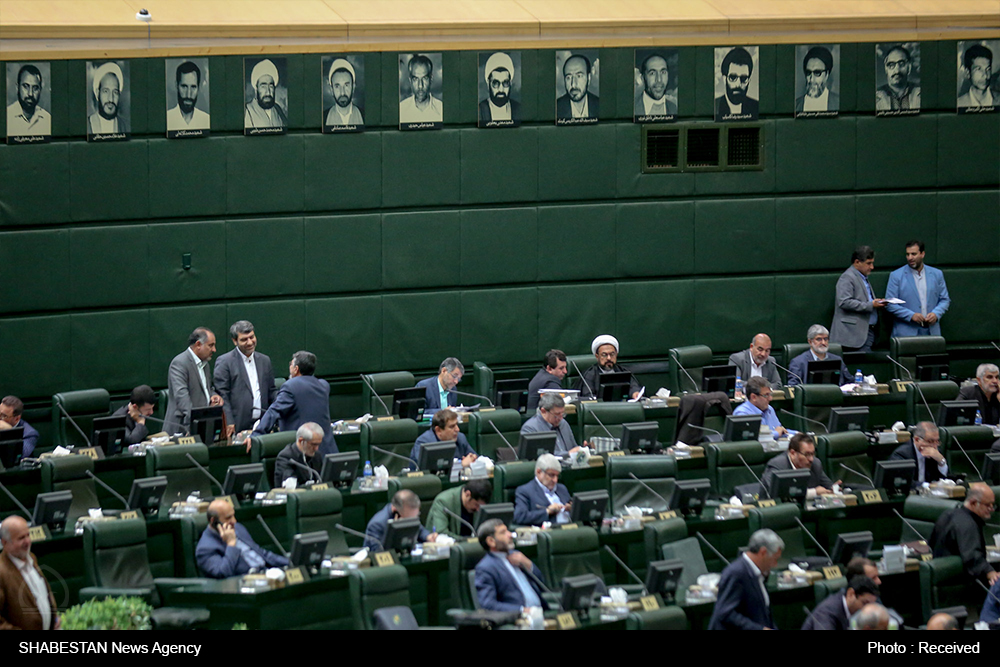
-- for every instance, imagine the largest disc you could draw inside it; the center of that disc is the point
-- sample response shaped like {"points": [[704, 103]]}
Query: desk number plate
{"points": [[385, 419], [766, 502], [187, 440], [323, 486], [566, 621], [92, 452], [384, 559], [832, 572], [294, 576], [615, 452], [926, 557], [37, 534], [670, 514], [419, 473], [569, 526], [871, 496], [649, 603], [131, 514]]}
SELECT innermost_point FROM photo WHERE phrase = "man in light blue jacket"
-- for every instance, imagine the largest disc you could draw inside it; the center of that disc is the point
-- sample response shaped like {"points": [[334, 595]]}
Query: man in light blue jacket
{"points": [[923, 292]]}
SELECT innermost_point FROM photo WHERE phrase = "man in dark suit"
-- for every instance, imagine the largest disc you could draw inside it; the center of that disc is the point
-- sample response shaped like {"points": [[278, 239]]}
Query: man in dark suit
{"points": [[439, 388], [444, 426], [405, 504], [190, 381], [756, 360], [743, 602], [302, 398], [26, 601], [499, 107], [226, 548], [543, 498], [817, 65], [801, 455], [735, 103], [923, 448], [986, 392], [959, 532], [244, 378], [834, 613], [501, 582], [578, 102], [141, 404], [11, 409], [299, 459], [550, 376], [818, 338], [855, 314]]}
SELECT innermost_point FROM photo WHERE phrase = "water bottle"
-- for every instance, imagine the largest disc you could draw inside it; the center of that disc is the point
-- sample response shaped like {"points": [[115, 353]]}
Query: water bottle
{"points": [[367, 481], [859, 377], [739, 385], [979, 418]]}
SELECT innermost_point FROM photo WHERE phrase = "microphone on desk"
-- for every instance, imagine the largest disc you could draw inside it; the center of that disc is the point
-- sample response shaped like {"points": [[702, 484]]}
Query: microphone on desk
{"points": [[762, 488], [73, 422], [710, 430], [398, 456], [821, 424], [274, 539], [465, 393], [205, 472], [988, 590], [308, 468], [677, 361], [375, 393], [789, 371], [358, 533], [814, 540], [16, 501], [713, 549], [916, 387], [865, 477], [540, 583], [583, 379], [463, 521], [626, 568], [506, 441], [107, 487], [967, 458], [908, 524], [650, 489]]}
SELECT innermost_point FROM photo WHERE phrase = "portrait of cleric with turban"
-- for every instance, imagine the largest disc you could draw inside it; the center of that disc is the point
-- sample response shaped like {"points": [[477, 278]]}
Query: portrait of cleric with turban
{"points": [[343, 93], [108, 100], [499, 89], [266, 96]]}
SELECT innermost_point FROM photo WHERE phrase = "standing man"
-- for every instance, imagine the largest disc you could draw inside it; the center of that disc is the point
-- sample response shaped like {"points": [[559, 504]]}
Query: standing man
{"points": [[501, 580], [343, 111], [985, 392], [897, 93], [24, 117], [578, 102], [736, 104], [187, 116], [543, 498], [605, 350], [855, 314], [818, 338], [550, 376], [923, 448], [923, 292], [11, 409], [499, 105], [26, 601], [299, 458], [263, 110], [756, 361], [743, 602], [245, 379], [653, 100], [439, 388], [817, 66], [550, 417], [959, 532], [141, 404], [189, 381]]}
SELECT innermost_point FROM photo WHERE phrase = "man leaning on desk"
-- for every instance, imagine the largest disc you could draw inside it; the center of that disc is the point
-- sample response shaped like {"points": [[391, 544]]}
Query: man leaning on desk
{"points": [[226, 548], [924, 449], [801, 455]]}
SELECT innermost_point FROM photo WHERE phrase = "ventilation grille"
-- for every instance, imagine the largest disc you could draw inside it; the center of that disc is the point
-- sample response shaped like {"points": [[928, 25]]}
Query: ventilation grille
{"points": [[703, 147], [663, 149], [744, 147]]}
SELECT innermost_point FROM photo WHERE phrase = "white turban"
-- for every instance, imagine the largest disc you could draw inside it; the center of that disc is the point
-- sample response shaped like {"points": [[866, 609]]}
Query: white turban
{"points": [[603, 340], [109, 67], [340, 63], [498, 60], [260, 69]]}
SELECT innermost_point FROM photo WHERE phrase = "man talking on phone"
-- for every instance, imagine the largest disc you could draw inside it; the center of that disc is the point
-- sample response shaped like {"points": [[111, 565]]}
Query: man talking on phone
{"points": [[226, 548]]}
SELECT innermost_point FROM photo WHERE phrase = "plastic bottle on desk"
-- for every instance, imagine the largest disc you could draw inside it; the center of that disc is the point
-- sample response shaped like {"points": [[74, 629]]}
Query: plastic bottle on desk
{"points": [[979, 418], [859, 378], [739, 385], [366, 483]]}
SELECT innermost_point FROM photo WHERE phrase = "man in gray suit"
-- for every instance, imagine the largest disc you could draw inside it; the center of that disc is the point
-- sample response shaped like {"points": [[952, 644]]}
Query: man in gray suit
{"points": [[756, 361], [190, 382], [855, 317], [244, 379]]}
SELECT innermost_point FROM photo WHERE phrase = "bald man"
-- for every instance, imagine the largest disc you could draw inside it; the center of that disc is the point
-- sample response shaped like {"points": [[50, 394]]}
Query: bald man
{"points": [[26, 601], [756, 361], [871, 617], [959, 532], [226, 548], [942, 621]]}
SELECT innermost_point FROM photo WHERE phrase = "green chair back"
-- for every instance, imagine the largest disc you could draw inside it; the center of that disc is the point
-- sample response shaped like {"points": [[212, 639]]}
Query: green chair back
{"points": [[396, 436], [725, 469], [192, 526], [385, 384], [813, 401], [975, 440], [265, 449], [943, 583], [612, 414], [183, 477], [462, 560], [849, 448], [923, 512], [569, 553], [374, 588], [485, 440], [933, 393], [657, 533], [482, 379], [115, 554], [688, 550], [664, 618], [508, 476], [426, 487], [906, 348], [783, 520], [693, 358], [657, 472], [83, 406], [69, 473], [321, 510]]}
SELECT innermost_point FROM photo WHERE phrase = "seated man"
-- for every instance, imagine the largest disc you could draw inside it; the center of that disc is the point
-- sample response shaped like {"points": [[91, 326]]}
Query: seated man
{"points": [[758, 395], [801, 455], [405, 505], [549, 376], [991, 607], [959, 532], [141, 404], [871, 617], [551, 410], [299, 459], [756, 361], [439, 388], [743, 602], [501, 582], [444, 426], [462, 502], [942, 621], [985, 391], [923, 446], [605, 350], [818, 338], [226, 548], [11, 409], [834, 613], [544, 497]]}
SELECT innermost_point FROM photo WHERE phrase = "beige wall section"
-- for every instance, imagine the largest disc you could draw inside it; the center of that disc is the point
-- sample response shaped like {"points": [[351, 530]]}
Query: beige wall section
{"points": [[85, 28]]}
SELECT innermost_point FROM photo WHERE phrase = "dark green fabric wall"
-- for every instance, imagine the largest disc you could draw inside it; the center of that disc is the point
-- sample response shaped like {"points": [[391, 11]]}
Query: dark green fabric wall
{"points": [[389, 250]]}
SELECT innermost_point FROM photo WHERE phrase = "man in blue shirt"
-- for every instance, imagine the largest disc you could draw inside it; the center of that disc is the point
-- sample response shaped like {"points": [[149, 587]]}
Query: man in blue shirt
{"points": [[439, 388], [501, 580], [11, 408], [758, 402], [444, 426]]}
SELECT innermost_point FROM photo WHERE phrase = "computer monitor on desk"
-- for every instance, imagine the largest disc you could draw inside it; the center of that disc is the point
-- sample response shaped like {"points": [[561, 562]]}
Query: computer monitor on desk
{"points": [[401, 535], [719, 378], [340, 469], [11, 446], [107, 433], [532, 445], [824, 372], [640, 437], [52, 510], [308, 550], [409, 403], [512, 394], [243, 480], [932, 367], [741, 428], [849, 545], [502, 511], [662, 576], [578, 592], [613, 387], [688, 497], [147, 493], [896, 477], [207, 423], [436, 457], [588, 507], [790, 485], [957, 413], [991, 468], [848, 419]]}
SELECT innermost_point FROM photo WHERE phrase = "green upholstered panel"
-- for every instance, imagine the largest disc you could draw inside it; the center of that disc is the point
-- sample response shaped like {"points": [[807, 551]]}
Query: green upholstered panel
{"points": [[265, 449], [140, 84], [395, 436], [726, 182], [169, 329], [815, 155], [970, 298], [419, 329], [95, 333], [655, 239], [817, 231], [228, 73], [585, 254], [30, 177], [345, 334], [508, 476], [688, 550], [501, 246], [415, 249], [650, 313], [887, 221], [21, 339], [962, 236], [375, 588], [168, 243], [734, 236], [343, 253], [729, 312], [664, 618], [657, 533], [802, 300], [631, 181], [280, 329], [482, 384], [385, 384], [727, 470], [849, 448], [500, 324], [192, 527], [484, 438], [99, 277], [462, 560], [265, 174], [968, 149], [610, 62], [343, 171], [421, 168], [109, 181], [38, 261], [318, 510], [658, 472], [612, 414], [896, 153], [975, 440], [574, 315], [282, 237], [574, 162], [569, 553], [187, 178], [499, 166]]}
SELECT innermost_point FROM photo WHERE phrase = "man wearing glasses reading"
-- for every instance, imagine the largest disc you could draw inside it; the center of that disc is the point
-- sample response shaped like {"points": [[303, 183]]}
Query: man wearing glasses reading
{"points": [[736, 104]]}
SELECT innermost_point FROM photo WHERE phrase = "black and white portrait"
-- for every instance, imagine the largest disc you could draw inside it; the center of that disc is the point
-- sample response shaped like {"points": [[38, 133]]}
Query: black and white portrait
{"points": [[421, 98], [499, 89], [655, 85], [817, 80], [978, 87], [108, 98], [29, 100], [343, 93], [737, 83], [897, 79], [265, 95], [578, 87], [187, 98]]}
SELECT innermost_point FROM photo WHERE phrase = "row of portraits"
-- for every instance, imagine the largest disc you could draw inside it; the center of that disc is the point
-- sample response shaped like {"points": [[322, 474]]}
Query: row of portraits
{"points": [[655, 84]]}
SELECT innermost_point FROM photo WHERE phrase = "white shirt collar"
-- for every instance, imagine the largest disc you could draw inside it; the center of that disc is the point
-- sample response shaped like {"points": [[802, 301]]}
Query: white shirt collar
{"points": [[197, 362], [584, 112], [648, 102]]}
